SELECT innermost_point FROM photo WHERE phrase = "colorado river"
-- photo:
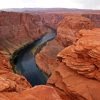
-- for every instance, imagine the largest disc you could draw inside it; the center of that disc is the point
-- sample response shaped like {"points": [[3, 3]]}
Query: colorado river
{"points": [[25, 60]]}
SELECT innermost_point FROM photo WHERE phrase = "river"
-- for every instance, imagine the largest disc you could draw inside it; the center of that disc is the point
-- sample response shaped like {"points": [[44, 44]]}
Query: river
{"points": [[25, 60]]}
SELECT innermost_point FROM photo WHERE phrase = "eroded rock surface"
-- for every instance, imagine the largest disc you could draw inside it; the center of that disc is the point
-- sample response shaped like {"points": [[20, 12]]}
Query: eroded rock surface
{"points": [[74, 85], [83, 55], [69, 26], [10, 82], [38, 93], [74, 73], [46, 59], [17, 29], [79, 67]]}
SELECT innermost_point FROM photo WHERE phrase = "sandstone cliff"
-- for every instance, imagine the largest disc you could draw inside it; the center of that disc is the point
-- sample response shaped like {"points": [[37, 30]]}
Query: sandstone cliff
{"points": [[71, 59], [68, 27], [80, 58], [17, 29], [74, 61]]}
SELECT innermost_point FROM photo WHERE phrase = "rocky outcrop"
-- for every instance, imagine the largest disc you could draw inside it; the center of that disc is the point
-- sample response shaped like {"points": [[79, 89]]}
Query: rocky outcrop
{"points": [[65, 34], [17, 29], [83, 56], [75, 74], [38, 93], [69, 26], [8, 80], [74, 85], [79, 66]]}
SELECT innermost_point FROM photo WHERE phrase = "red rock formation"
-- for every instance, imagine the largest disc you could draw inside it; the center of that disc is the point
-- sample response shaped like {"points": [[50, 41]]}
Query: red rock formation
{"points": [[38, 93], [8, 80], [81, 58], [72, 73], [66, 31], [68, 27], [95, 18], [75, 86], [17, 29], [46, 59], [52, 19], [76, 60]]}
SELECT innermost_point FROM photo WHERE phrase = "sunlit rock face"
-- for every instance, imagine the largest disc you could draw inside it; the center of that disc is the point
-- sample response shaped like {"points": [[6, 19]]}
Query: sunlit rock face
{"points": [[41, 92], [9, 81], [68, 27], [79, 66], [83, 55], [72, 63], [38, 93], [74, 70]]}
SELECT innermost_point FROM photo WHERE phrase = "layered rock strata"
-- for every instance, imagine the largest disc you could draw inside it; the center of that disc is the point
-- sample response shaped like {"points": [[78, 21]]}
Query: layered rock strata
{"points": [[73, 71], [17, 29], [69, 26], [79, 67]]}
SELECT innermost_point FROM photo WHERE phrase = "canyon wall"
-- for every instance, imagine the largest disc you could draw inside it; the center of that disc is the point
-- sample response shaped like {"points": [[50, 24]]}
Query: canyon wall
{"points": [[52, 19], [74, 71], [78, 68], [71, 59], [17, 29], [69, 26], [95, 18]]}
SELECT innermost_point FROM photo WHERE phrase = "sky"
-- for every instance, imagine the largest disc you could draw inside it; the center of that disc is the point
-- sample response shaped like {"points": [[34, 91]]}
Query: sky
{"points": [[81, 4]]}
